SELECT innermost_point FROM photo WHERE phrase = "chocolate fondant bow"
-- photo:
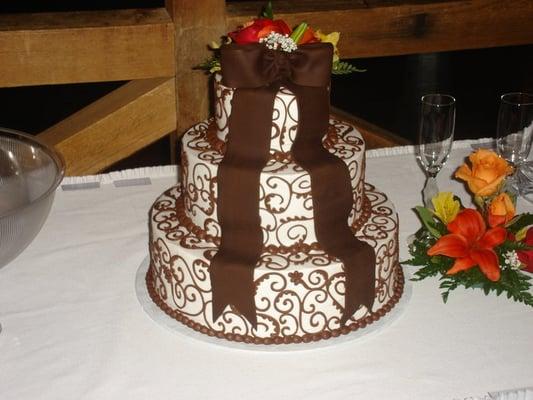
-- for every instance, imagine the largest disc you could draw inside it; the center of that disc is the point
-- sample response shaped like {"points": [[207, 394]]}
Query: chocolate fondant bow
{"points": [[254, 65], [257, 73]]}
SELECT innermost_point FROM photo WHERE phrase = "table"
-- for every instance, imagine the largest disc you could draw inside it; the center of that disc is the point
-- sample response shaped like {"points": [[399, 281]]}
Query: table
{"points": [[73, 327]]}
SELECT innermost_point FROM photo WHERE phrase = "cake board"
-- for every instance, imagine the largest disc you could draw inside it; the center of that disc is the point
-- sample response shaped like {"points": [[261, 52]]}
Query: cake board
{"points": [[169, 323]]}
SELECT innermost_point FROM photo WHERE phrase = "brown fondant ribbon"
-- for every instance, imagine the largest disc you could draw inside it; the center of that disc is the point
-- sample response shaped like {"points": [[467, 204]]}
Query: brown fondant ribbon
{"points": [[256, 73]]}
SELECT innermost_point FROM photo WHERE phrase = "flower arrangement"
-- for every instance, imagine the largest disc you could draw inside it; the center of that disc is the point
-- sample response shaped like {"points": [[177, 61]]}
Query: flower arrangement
{"points": [[487, 247], [277, 35]]}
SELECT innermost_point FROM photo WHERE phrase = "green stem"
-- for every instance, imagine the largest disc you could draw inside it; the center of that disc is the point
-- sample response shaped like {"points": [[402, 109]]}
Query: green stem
{"points": [[298, 32]]}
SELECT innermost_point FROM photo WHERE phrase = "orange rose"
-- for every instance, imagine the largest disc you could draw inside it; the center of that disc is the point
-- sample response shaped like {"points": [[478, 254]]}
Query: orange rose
{"points": [[501, 210], [487, 173]]}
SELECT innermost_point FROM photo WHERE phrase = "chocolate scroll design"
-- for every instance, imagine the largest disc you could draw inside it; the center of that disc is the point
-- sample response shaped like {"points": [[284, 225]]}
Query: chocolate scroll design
{"points": [[199, 147], [332, 200], [284, 116], [292, 301]]}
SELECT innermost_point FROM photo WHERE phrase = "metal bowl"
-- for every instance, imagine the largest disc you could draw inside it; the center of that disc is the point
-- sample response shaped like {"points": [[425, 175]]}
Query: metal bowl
{"points": [[30, 172]]}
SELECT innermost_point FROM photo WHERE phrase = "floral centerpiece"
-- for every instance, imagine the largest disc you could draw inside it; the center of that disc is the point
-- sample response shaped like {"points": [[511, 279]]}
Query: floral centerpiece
{"points": [[486, 247], [277, 35]]}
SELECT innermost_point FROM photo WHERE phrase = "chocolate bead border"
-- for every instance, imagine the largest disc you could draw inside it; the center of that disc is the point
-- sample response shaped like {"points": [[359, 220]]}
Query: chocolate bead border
{"points": [[186, 222], [280, 340], [220, 146]]}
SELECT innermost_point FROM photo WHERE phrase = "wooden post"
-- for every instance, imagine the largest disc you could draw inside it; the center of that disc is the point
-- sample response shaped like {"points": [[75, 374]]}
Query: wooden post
{"points": [[197, 23]]}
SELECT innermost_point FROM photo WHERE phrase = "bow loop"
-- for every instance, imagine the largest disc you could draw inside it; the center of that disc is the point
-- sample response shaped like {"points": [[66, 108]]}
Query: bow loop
{"points": [[254, 65]]}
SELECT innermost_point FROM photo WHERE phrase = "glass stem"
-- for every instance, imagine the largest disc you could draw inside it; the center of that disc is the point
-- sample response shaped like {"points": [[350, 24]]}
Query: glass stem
{"points": [[512, 183], [430, 190]]}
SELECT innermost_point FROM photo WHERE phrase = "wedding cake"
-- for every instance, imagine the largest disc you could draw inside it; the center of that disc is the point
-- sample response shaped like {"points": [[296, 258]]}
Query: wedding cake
{"points": [[272, 235]]}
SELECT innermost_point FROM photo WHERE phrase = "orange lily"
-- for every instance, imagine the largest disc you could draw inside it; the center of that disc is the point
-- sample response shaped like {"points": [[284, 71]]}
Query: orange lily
{"points": [[471, 244]]}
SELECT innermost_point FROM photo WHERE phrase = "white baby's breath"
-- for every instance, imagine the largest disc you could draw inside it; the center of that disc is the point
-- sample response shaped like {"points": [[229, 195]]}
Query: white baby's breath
{"points": [[511, 260], [275, 41]]}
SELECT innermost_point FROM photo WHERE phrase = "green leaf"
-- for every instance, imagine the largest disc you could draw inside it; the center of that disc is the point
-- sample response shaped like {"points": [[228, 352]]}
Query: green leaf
{"points": [[209, 66], [426, 216], [520, 222], [343, 68], [267, 11], [480, 202], [298, 32], [424, 273]]}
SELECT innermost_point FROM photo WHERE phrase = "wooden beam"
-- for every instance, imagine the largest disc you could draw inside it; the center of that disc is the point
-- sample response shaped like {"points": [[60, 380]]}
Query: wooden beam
{"points": [[374, 28], [72, 47], [115, 126], [375, 136]]}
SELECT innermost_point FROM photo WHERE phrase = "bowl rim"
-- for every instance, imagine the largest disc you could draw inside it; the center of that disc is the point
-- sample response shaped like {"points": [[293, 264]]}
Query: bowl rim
{"points": [[51, 152]]}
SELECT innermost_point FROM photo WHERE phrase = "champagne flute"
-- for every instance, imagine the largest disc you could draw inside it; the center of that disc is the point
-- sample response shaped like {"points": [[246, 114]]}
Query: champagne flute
{"points": [[514, 133], [435, 137]]}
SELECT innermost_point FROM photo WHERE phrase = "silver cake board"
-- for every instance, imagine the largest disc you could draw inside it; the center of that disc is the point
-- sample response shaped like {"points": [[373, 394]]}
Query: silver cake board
{"points": [[169, 323]]}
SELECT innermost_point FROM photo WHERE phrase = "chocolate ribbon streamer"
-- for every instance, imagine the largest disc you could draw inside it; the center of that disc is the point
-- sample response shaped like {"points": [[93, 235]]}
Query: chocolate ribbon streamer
{"points": [[257, 73]]}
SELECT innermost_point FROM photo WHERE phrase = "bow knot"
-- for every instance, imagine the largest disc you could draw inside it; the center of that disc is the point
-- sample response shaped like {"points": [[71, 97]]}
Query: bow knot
{"points": [[276, 65]]}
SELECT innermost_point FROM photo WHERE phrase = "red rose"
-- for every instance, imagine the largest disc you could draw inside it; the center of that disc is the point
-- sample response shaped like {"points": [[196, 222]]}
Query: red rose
{"points": [[257, 29], [526, 256]]}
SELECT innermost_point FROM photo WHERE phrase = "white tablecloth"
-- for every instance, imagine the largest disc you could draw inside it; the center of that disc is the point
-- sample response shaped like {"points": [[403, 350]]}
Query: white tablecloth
{"points": [[73, 327]]}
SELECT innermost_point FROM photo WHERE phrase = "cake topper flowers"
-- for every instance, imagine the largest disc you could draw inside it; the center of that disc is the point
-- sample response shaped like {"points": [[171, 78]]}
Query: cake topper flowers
{"points": [[277, 35], [487, 247]]}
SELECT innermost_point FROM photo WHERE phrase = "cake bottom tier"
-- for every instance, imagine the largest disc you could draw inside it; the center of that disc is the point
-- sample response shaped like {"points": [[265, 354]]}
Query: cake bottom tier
{"points": [[299, 296]]}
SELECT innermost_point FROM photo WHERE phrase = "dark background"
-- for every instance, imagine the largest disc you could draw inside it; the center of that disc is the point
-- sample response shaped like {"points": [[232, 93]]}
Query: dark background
{"points": [[386, 94]]}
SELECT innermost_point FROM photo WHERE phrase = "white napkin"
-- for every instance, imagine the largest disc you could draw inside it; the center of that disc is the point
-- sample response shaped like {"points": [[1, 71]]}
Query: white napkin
{"points": [[513, 394]]}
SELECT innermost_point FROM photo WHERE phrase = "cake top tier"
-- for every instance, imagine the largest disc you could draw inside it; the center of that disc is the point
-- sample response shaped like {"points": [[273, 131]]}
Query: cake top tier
{"points": [[292, 76], [284, 116]]}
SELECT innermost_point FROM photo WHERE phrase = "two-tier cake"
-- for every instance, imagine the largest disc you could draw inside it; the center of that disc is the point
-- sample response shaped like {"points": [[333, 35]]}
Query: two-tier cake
{"points": [[272, 235]]}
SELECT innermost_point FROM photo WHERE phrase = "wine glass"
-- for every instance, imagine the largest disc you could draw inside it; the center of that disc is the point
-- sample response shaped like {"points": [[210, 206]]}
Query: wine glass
{"points": [[435, 137], [514, 134]]}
